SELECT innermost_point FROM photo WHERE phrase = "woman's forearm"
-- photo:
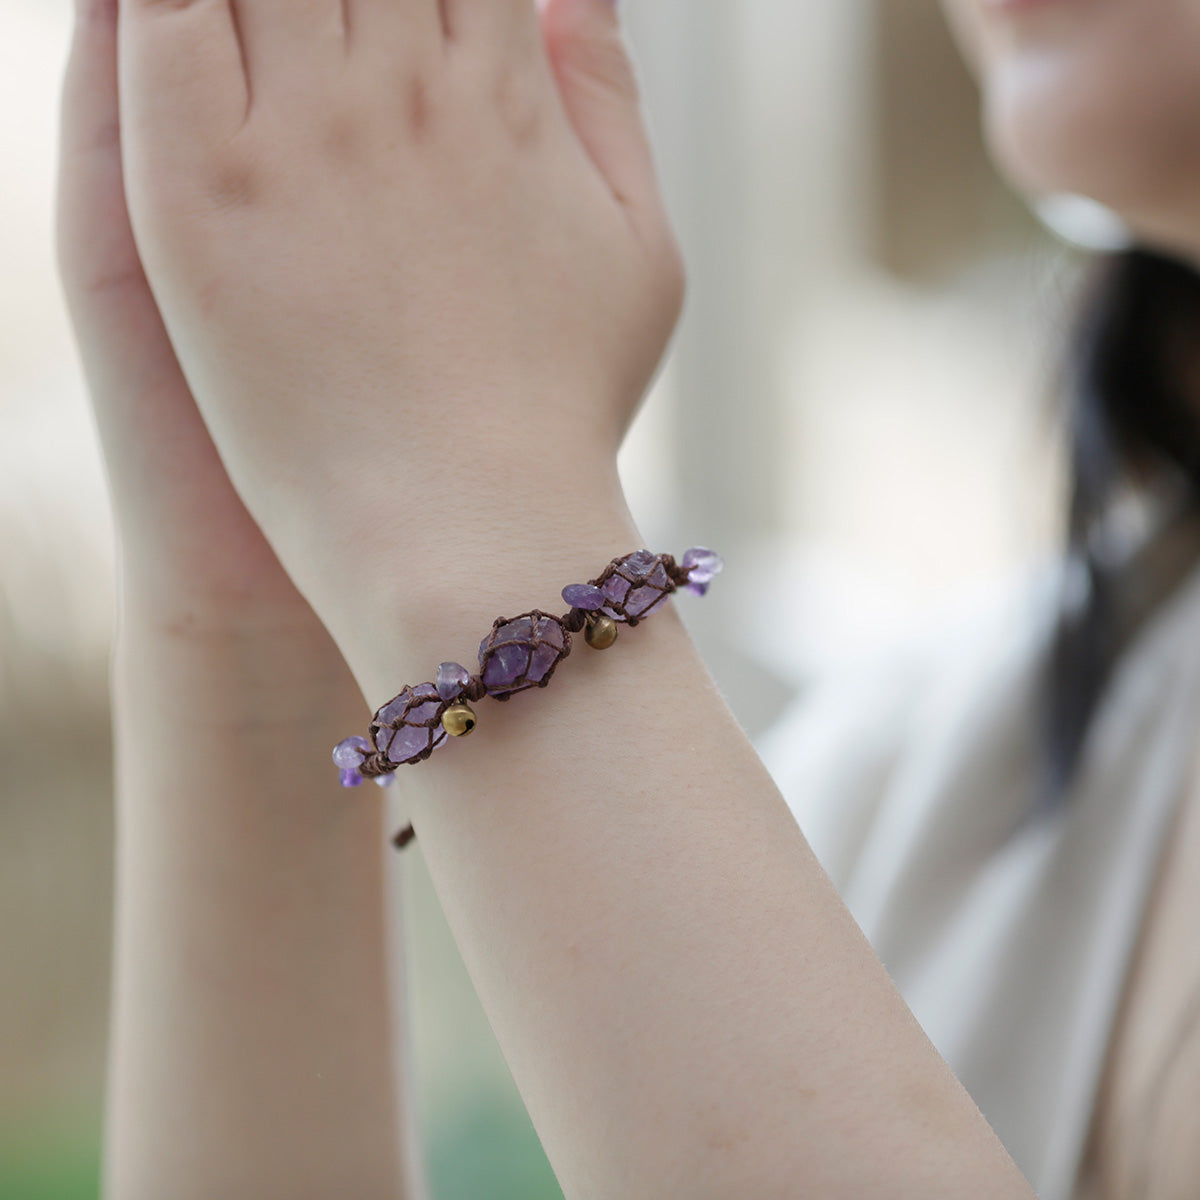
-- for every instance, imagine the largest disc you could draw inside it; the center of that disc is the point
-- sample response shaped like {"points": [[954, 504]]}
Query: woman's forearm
{"points": [[687, 1007], [252, 1045]]}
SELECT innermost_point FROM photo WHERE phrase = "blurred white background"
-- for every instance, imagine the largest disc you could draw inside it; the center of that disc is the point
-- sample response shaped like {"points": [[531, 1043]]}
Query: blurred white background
{"points": [[857, 413]]}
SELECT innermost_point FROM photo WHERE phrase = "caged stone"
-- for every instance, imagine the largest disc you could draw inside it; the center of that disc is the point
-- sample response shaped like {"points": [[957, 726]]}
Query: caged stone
{"points": [[639, 586], [522, 653], [409, 727]]}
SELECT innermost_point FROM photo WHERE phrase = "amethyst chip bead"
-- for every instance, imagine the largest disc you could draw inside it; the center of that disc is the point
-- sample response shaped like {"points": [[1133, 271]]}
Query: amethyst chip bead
{"points": [[351, 752], [452, 677], [348, 756], [583, 596], [704, 566]]}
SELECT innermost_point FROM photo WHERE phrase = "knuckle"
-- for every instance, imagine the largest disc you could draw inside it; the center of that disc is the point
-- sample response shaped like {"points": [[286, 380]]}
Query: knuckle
{"points": [[84, 280], [179, 211], [606, 62], [418, 106], [164, 6], [362, 128], [518, 105], [231, 184], [672, 275], [229, 177], [342, 135], [95, 12]]}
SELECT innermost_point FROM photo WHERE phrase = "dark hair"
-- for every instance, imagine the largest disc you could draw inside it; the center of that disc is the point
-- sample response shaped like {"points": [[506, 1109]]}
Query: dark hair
{"points": [[1134, 421]]}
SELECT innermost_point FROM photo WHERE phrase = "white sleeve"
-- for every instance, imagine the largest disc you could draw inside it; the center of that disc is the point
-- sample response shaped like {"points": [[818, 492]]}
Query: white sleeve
{"points": [[833, 750]]}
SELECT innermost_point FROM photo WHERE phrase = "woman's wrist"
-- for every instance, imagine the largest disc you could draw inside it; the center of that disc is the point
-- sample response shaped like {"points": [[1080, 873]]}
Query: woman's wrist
{"points": [[242, 666], [510, 559], [243, 651], [196, 603], [254, 1007]]}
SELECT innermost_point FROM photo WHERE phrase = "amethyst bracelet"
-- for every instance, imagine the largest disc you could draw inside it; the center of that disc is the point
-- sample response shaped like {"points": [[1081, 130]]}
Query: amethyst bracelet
{"points": [[519, 653]]}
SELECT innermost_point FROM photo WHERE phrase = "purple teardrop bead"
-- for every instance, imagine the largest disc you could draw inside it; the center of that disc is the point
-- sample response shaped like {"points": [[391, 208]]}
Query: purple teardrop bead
{"points": [[349, 754], [452, 677], [350, 777], [703, 564]]}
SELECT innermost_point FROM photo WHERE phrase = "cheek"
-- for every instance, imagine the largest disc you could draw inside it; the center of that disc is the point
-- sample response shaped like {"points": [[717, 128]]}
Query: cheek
{"points": [[1110, 110]]}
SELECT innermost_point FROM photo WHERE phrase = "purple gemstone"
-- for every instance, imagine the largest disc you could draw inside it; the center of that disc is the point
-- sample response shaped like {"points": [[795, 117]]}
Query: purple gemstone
{"points": [[452, 677], [407, 725], [639, 564], [384, 780], [583, 595], [544, 657], [410, 740], [642, 601], [616, 587], [406, 742], [698, 588], [646, 594], [506, 665], [350, 753], [703, 564], [516, 656], [350, 777]]}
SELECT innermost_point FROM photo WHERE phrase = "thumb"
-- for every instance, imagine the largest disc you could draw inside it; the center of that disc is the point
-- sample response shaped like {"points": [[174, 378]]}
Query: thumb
{"points": [[599, 91]]}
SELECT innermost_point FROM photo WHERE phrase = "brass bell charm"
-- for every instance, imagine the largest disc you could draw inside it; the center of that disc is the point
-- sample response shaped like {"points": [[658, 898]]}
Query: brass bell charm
{"points": [[600, 632], [459, 719]]}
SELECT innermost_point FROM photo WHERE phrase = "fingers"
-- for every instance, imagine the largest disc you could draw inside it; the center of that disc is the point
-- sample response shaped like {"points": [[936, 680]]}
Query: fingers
{"points": [[181, 68], [503, 26], [98, 261], [600, 94], [124, 348], [290, 45], [211, 61], [400, 30]]}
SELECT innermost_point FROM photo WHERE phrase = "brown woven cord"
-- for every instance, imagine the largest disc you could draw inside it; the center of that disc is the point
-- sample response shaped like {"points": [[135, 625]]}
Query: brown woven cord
{"points": [[573, 621]]}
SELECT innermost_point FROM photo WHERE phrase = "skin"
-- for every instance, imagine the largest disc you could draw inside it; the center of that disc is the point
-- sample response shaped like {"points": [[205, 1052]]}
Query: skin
{"points": [[232, 1071], [378, 251], [1099, 98]]}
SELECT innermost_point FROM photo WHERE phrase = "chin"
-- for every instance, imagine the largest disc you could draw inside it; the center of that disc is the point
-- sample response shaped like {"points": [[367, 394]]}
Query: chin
{"points": [[1130, 143]]}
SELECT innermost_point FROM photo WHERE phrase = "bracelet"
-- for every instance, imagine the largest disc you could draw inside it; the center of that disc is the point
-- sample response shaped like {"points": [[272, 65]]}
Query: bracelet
{"points": [[519, 653]]}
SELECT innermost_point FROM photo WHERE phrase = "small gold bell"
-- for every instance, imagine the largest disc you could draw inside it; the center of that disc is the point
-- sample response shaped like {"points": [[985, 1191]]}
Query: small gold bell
{"points": [[601, 631], [459, 719]]}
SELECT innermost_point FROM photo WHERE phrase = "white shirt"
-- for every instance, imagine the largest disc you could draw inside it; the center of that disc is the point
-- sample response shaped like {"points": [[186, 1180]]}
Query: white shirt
{"points": [[1010, 950]]}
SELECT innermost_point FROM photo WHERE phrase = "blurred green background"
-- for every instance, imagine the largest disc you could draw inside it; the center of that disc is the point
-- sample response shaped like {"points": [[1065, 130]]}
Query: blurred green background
{"points": [[490, 1150]]}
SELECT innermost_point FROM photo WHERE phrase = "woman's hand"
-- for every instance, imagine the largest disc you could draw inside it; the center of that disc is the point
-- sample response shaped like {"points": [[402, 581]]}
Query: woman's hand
{"points": [[190, 551], [412, 257], [256, 1044]]}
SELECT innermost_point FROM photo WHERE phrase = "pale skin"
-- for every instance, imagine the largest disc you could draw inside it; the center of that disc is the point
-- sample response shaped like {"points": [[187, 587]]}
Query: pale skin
{"points": [[234, 1069], [379, 249]]}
